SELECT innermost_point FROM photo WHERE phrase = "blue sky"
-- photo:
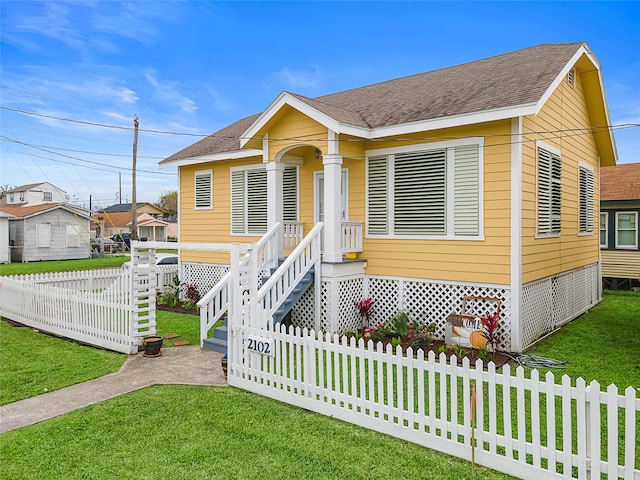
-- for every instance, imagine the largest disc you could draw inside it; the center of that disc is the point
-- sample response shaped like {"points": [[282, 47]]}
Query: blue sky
{"points": [[191, 68]]}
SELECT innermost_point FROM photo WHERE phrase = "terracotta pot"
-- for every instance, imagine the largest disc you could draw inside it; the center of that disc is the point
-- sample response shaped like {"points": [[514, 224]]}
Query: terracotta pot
{"points": [[152, 345]]}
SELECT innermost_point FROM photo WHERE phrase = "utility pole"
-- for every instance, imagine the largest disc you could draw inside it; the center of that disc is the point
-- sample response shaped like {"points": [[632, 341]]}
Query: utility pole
{"points": [[134, 224]]}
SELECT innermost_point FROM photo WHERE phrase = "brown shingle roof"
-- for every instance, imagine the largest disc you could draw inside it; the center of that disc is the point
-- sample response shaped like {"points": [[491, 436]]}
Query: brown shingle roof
{"points": [[621, 182], [21, 212], [512, 79]]}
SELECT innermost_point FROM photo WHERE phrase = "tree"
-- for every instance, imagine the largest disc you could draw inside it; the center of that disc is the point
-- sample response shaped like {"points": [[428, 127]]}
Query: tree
{"points": [[4, 189], [168, 201]]}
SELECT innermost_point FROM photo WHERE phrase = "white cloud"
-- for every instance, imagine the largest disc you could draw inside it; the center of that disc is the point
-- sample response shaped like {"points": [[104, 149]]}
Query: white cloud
{"points": [[169, 92], [309, 78]]}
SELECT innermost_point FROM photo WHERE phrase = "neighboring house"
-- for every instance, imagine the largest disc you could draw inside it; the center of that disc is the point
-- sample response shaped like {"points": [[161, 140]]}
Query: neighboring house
{"points": [[141, 207], [34, 194], [48, 232], [5, 255], [619, 232], [149, 227], [479, 179]]}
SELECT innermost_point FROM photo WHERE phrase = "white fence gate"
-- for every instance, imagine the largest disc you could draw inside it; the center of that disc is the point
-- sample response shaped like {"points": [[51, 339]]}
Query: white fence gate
{"points": [[95, 306], [527, 427]]}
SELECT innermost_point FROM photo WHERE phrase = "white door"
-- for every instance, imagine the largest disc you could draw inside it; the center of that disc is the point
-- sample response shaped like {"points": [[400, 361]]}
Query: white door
{"points": [[319, 197]]}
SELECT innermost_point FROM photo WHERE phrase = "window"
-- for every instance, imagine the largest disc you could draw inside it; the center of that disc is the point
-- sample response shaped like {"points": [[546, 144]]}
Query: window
{"points": [[47, 196], [22, 196], [73, 238], [549, 190], [586, 199], [604, 221], [43, 235], [11, 198], [203, 191], [626, 230], [431, 190], [249, 198]]}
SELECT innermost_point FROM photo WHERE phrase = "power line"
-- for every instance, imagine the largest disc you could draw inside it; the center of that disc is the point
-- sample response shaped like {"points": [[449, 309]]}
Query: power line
{"points": [[323, 139], [7, 139]]}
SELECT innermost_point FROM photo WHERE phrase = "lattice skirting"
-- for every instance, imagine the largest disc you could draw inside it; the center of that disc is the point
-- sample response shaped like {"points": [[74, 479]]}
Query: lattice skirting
{"points": [[422, 300], [554, 301], [204, 275]]}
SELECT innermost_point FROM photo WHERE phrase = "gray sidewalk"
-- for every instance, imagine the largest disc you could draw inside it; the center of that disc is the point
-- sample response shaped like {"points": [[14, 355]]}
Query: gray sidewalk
{"points": [[177, 365]]}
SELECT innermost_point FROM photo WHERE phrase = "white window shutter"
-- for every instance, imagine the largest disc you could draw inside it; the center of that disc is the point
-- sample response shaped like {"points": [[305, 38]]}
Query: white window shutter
{"points": [[290, 194], [586, 200], [73, 239], [549, 192], [256, 201], [377, 207], [467, 190], [43, 235], [203, 189], [420, 193], [238, 220]]}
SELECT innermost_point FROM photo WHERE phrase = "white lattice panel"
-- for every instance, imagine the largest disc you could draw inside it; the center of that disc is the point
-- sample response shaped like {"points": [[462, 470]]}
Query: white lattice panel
{"points": [[350, 292], [204, 275], [302, 314], [553, 301], [432, 302]]}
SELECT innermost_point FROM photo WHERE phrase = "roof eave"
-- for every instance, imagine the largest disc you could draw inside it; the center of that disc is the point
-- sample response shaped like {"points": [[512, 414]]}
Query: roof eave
{"points": [[285, 98], [214, 157]]}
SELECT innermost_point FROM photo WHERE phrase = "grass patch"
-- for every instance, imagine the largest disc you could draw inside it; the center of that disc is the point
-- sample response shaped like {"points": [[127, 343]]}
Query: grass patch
{"points": [[602, 344], [115, 261], [185, 325], [203, 433], [33, 363]]}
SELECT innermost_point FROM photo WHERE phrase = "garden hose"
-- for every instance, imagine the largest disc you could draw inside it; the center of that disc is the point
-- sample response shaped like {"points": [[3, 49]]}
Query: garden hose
{"points": [[536, 361]]}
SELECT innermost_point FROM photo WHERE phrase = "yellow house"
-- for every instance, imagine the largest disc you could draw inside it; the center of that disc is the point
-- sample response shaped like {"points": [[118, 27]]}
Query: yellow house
{"points": [[475, 180]]}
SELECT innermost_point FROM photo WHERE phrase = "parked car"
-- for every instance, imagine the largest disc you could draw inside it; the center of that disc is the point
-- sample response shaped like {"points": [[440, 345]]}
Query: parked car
{"points": [[161, 259], [122, 239]]}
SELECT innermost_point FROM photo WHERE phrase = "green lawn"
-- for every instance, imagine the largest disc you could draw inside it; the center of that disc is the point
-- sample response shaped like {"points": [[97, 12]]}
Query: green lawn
{"points": [[181, 432], [603, 344], [34, 363], [115, 261]]}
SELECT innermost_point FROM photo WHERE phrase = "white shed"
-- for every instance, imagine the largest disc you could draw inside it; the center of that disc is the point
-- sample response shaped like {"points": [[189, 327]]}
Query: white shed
{"points": [[5, 256], [48, 232]]}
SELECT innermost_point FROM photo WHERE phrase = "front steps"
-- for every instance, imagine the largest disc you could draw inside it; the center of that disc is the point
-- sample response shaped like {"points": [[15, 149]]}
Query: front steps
{"points": [[218, 343]]}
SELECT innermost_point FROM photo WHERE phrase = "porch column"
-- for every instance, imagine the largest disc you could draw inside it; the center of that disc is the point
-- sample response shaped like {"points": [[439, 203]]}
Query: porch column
{"points": [[275, 175], [332, 208]]}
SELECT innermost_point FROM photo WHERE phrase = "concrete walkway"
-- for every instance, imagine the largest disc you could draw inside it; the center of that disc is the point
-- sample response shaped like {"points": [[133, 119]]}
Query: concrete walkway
{"points": [[177, 365]]}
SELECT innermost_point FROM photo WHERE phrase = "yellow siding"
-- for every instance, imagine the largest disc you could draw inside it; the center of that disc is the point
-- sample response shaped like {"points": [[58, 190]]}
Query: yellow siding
{"points": [[214, 225], [486, 261], [621, 263], [562, 115]]}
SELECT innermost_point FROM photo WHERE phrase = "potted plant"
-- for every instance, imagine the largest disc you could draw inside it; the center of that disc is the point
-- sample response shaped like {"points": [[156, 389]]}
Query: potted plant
{"points": [[152, 346]]}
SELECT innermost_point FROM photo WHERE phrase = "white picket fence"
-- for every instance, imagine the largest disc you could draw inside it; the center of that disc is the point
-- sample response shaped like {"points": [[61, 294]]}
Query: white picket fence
{"points": [[526, 426], [93, 307]]}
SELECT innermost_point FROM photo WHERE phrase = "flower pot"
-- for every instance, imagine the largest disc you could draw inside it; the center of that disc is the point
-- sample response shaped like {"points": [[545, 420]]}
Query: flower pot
{"points": [[152, 346]]}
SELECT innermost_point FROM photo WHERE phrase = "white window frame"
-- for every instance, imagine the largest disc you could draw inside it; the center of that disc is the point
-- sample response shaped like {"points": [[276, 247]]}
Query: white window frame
{"points": [[635, 230], [586, 200], [604, 230], [554, 152], [202, 174], [47, 196], [449, 205], [245, 220]]}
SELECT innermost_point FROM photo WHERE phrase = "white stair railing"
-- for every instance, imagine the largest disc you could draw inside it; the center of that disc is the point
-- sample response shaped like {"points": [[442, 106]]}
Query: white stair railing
{"points": [[217, 301], [282, 282]]}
